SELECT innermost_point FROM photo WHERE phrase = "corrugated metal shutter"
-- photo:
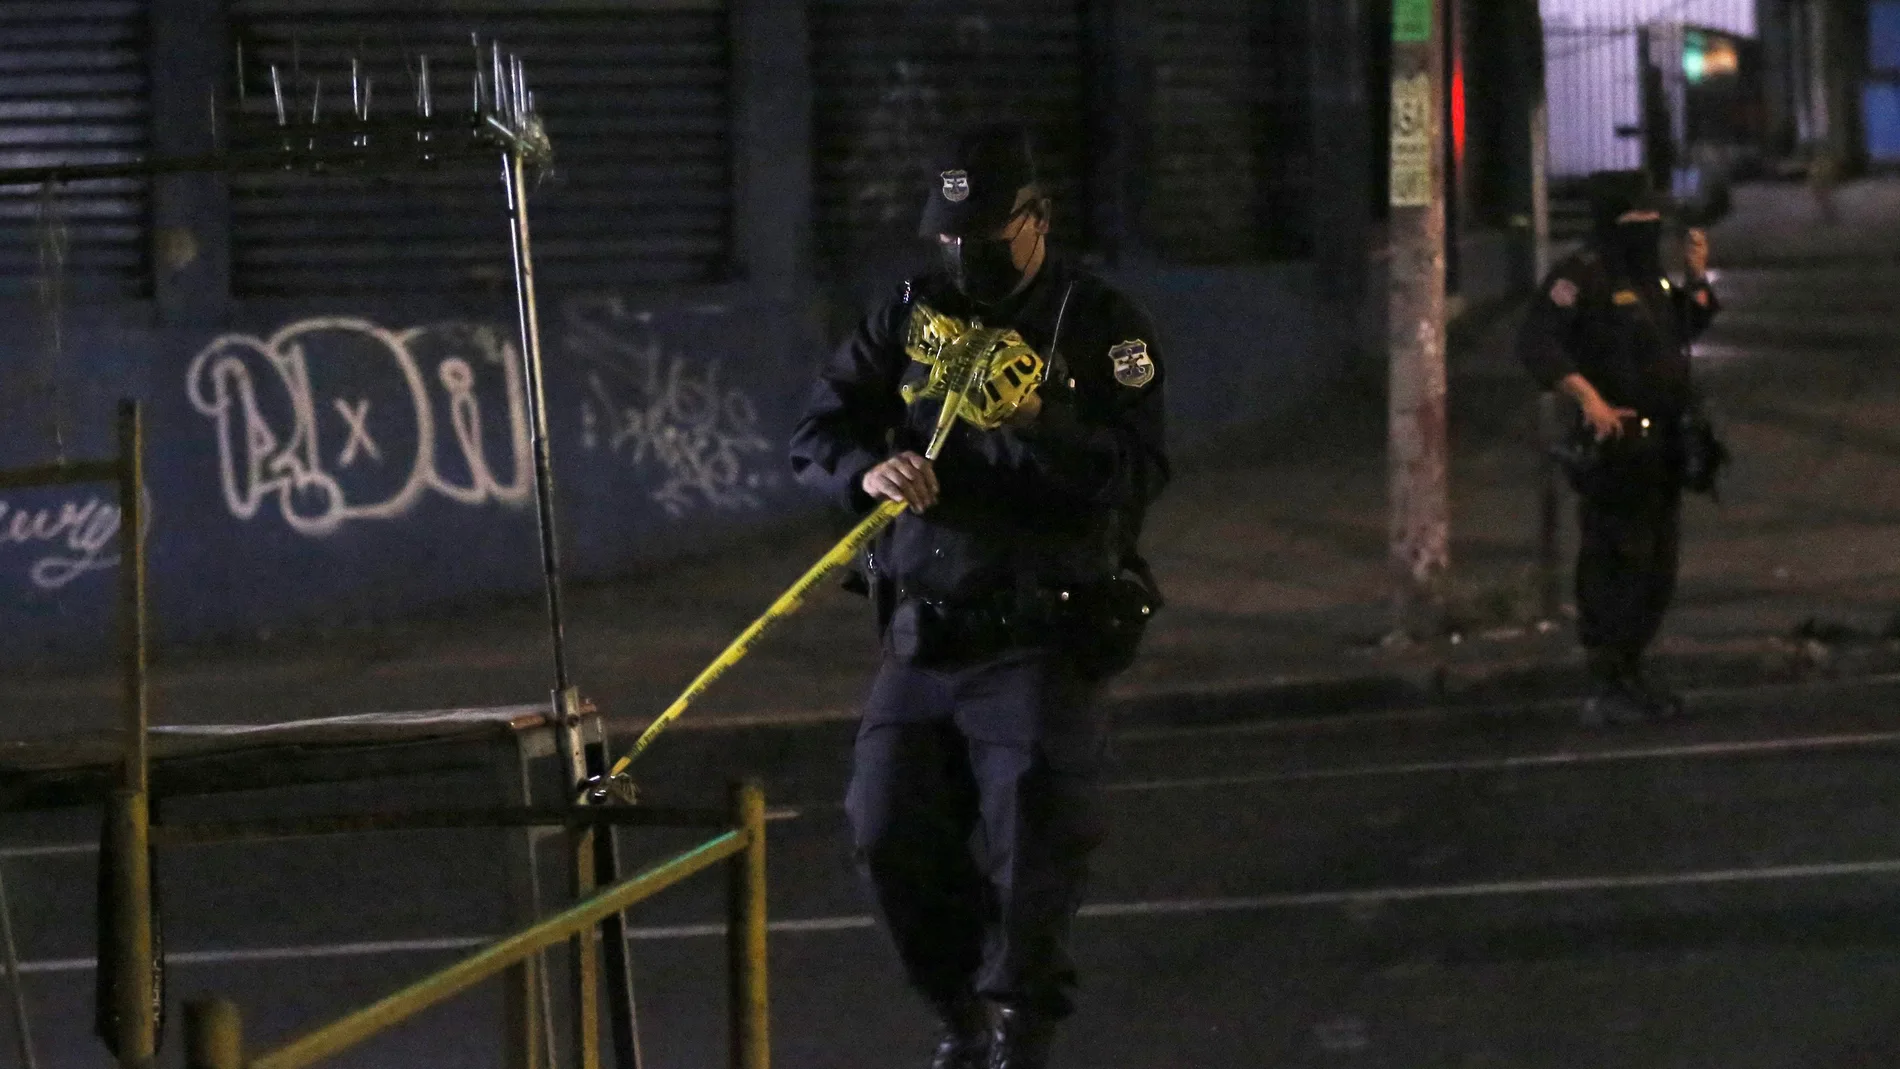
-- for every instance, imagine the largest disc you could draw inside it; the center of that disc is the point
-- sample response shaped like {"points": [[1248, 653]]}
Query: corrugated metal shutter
{"points": [[892, 77], [637, 103], [73, 89], [1229, 135]]}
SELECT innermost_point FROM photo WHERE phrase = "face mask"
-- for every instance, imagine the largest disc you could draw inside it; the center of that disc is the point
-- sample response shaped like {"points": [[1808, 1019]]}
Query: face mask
{"points": [[1641, 246], [981, 268]]}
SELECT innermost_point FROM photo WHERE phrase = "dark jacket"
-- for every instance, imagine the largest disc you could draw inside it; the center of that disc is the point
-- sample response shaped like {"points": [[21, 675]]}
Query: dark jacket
{"points": [[1628, 336], [1048, 505]]}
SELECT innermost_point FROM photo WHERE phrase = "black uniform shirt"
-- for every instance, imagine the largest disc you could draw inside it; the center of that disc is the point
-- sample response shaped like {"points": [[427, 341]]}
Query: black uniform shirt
{"points": [[1049, 503], [1628, 336]]}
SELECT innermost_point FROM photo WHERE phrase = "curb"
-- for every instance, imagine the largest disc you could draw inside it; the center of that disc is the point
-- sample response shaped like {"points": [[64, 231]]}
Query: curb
{"points": [[808, 757], [1447, 684]]}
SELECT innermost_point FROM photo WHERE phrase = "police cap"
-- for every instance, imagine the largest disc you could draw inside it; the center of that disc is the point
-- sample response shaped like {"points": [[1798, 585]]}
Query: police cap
{"points": [[977, 176]]}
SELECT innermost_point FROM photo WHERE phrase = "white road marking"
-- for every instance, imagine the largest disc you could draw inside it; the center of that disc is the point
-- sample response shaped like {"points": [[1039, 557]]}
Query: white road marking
{"points": [[12, 853], [1564, 759], [1097, 911]]}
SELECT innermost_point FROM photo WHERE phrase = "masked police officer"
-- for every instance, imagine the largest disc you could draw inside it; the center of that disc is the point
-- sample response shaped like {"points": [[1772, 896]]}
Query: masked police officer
{"points": [[1612, 332], [1003, 594]]}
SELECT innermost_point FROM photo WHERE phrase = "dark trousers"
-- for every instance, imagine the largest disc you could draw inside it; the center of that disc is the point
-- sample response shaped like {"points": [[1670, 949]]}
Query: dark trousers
{"points": [[973, 806], [1626, 566]]}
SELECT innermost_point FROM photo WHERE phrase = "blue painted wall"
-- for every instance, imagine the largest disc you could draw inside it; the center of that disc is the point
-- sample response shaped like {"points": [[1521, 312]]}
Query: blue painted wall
{"points": [[319, 464], [359, 463]]}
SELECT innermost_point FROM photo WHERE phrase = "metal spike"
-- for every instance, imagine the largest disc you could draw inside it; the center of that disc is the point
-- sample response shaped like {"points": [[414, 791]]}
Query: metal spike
{"points": [[501, 77], [369, 88], [277, 93], [240, 73], [428, 103], [316, 99], [476, 43], [520, 96], [356, 86]]}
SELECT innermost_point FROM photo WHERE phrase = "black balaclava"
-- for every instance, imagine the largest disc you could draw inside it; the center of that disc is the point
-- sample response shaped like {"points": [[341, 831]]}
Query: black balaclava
{"points": [[1634, 248], [973, 193], [982, 268]]}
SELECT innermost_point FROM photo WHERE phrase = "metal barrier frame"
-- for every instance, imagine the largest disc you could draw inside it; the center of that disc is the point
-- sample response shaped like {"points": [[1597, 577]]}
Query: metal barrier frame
{"points": [[214, 1028], [133, 999]]}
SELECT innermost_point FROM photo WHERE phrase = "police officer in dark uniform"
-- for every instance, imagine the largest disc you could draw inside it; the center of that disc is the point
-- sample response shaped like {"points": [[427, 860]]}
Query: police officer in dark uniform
{"points": [[1004, 596], [1612, 331]]}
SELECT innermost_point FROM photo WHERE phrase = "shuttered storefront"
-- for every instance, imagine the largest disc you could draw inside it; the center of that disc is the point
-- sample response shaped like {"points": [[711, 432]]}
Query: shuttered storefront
{"points": [[891, 77], [637, 102], [1230, 139], [74, 90]]}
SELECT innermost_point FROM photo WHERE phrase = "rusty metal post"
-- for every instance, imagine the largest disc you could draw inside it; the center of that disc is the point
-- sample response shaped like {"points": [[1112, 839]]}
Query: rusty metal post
{"points": [[745, 934], [214, 1035], [1417, 459], [133, 997]]}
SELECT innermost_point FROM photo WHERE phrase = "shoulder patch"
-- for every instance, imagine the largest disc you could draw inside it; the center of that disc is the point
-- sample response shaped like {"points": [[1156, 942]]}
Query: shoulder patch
{"points": [[1134, 368], [1563, 293], [1623, 297]]}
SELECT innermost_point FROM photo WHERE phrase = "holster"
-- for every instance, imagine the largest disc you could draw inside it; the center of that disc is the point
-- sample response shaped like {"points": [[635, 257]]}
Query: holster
{"points": [[1684, 452], [1098, 626]]}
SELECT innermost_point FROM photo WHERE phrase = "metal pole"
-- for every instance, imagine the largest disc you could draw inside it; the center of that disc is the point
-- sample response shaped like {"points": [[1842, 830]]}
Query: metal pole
{"points": [[133, 996], [132, 590], [1420, 500], [596, 858], [16, 990], [1550, 478], [528, 314], [745, 934], [1540, 190], [214, 1035]]}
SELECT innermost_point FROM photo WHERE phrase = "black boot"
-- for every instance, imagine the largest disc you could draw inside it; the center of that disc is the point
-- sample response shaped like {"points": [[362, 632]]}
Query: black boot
{"points": [[965, 1038], [1659, 701], [1614, 697], [1019, 1037]]}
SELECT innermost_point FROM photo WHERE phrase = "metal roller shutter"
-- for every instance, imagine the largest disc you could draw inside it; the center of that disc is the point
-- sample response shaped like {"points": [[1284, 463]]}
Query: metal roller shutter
{"points": [[636, 99], [1230, 138], [891, 77], [73, 89]]}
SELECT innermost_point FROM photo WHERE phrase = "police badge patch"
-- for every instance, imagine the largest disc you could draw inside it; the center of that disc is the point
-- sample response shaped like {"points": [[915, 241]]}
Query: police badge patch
{"points": [[956, 186], [1133, 366]]}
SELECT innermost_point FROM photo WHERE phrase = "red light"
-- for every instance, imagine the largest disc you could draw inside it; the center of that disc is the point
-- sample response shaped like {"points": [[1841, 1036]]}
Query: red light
{"points": [[1458, 110]]}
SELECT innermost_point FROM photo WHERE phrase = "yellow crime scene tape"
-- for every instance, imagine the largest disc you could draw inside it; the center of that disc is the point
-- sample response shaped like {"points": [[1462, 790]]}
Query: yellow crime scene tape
{"points": [[983, 375]]}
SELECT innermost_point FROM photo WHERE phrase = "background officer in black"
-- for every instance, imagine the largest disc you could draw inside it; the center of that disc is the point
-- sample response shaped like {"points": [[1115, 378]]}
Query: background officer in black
{"points": [[973, 799], [1613, 332]]}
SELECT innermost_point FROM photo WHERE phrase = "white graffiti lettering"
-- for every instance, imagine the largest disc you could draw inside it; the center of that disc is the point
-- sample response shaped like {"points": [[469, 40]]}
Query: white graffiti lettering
{"points": [[265, 394], [72, 538], [661, 411], [356, 416]]}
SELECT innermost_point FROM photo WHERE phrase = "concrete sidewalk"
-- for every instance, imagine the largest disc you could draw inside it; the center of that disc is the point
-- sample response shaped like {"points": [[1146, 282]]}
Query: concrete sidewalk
{"points": [[1271, 549]]}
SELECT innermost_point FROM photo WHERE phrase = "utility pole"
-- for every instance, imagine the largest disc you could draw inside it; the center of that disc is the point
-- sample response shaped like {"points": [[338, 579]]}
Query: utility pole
{"points": [[1417, 444]]}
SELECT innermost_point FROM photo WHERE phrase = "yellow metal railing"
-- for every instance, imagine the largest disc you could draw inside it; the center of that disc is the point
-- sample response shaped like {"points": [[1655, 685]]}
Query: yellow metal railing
{"points": [[214, 1029]]}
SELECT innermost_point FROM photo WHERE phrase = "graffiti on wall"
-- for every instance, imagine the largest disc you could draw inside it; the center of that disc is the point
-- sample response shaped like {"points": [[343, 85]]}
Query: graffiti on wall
{"points": [[334, 420], [663, 413], [62, 542]]}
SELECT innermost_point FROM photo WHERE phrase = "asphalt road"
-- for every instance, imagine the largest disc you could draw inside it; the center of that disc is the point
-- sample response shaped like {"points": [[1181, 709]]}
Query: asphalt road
{"points": [[1471, 888]]}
